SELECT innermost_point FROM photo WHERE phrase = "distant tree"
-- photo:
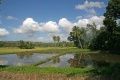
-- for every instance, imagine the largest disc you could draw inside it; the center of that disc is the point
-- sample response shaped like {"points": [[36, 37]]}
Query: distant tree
{"points": [[58, 39], [2, 43], [26, 45], [21, 44], [54, 39]]}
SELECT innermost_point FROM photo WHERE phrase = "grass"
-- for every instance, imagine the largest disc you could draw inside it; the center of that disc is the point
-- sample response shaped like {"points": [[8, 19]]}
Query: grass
{"points": [[7, 50], [48, 70], [111, 72]]}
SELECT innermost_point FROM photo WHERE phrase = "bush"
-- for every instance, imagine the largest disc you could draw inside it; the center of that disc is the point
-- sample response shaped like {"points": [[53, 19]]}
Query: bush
{"points": [[25, 45]]}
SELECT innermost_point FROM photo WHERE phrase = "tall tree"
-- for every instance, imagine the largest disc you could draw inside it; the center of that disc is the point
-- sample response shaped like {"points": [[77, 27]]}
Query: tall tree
{"points": [[54, 39], [108, 39], [76, 35], [58, 39], [111, 15]]}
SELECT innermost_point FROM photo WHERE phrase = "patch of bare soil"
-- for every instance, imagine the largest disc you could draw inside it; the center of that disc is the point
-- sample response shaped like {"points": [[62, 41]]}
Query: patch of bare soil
{"points": [[12, 76], [5, 75]]}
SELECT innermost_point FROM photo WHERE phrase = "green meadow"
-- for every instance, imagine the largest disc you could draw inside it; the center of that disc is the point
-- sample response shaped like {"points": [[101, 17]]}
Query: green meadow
{"points": [[9, 50]]}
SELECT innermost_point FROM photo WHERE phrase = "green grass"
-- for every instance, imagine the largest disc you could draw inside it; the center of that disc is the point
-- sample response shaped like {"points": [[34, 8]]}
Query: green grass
{"points": [[7, 50], [110, 72], [48, 70]]}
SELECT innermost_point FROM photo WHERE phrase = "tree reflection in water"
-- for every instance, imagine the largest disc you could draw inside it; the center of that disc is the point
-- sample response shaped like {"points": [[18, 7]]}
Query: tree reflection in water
{"points": [[24, 55], [56, 60], [86, 61]]}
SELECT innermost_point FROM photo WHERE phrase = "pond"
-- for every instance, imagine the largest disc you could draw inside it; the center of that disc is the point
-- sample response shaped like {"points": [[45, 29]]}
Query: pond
{"points": [[23, 59], [68, 60], [83, 60]]}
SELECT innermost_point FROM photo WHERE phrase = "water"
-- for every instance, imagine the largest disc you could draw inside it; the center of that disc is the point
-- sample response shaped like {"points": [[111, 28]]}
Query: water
{"points": [[67, 60], [83, 60], [61, 61], [22, 59]]}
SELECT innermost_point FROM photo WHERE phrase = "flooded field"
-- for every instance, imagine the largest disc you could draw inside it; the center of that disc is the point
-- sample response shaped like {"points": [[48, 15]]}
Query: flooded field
{"points": [[67, 60], [22, 59]]}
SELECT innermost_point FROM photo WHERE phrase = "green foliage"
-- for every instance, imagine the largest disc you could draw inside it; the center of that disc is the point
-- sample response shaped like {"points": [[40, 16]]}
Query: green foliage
{"points": [[108, 39], [112, 14], [83, 36], [75, 36], [25, 45], [2, 43], [112, 72]]}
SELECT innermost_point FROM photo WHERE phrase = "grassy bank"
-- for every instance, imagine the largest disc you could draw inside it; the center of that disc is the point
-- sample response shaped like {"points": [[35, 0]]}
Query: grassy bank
{"points": [[110, 72], [47, 70], [8, 50]]}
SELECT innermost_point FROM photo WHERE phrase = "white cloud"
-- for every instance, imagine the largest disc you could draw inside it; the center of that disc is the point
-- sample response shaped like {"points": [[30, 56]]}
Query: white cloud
{"points": [[51, 27], [3, 32], [87, 5], [92, 11], [29, 26], [65, 24], [11, 18], [79, 17], [97, 20]]}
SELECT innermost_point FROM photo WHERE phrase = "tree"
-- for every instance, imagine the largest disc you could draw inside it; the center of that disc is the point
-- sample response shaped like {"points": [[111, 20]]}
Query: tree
{"points": [[58, 39], [26, 45], [75, 36], [108, 39], [54, 39], [111, 15]]}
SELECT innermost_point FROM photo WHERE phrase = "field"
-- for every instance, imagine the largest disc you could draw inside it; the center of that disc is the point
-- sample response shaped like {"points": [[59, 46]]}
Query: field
{"points": [[9, 50], [33, 72]]}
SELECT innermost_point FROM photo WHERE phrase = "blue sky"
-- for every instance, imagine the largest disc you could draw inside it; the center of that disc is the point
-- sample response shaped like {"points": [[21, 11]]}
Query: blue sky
{"points": [[39, 20]]}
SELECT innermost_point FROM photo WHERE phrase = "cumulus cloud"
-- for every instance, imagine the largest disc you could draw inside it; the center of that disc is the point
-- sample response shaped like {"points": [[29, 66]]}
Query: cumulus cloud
{"points": [[3, 32], [51, 27], [11, 18], [87, 5], [66, 24], [29, 26], [97, 20]]}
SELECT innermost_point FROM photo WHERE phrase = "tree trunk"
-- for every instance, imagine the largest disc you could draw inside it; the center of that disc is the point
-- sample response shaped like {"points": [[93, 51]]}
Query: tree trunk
{"points": [[80, 43]]}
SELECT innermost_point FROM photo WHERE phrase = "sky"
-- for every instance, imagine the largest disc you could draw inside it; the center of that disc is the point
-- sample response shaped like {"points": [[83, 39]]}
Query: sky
{"points": [[40, 20]]}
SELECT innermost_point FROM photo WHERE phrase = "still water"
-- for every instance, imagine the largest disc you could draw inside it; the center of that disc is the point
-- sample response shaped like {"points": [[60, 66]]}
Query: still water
{"points": [[83, 60], [67, 60], [22, 59]]}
